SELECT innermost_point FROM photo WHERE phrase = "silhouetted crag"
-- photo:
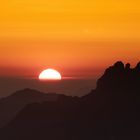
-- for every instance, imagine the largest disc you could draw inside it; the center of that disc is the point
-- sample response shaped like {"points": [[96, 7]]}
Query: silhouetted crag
{"points": [[111, 112], [120, 78]]}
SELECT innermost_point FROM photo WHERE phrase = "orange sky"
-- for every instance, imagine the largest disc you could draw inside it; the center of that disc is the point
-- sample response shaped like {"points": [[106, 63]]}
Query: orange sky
{"points": [[77, 37]]}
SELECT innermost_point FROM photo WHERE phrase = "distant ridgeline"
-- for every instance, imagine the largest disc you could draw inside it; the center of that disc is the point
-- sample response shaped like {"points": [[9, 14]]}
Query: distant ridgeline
{"points": [[110, 112]]}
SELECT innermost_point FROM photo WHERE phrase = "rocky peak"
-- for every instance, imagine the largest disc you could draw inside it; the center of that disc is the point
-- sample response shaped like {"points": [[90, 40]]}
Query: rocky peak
{"points": [[118, 76]]}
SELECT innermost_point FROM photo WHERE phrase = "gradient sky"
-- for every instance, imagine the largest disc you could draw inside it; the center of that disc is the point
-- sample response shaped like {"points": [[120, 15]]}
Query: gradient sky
{"points": [[77, 37]]}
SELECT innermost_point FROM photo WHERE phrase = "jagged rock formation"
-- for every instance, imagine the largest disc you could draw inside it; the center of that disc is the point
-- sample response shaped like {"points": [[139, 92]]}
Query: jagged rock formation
{"points": [[120, 77]]}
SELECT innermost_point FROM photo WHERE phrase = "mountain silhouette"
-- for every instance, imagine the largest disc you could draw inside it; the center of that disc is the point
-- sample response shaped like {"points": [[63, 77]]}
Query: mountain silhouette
{"points": [[110, 112], [10, 106]]}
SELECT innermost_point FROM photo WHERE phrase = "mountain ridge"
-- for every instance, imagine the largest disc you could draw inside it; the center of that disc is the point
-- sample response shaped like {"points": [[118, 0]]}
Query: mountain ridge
{"points": [[11, 105], [111, 111]]}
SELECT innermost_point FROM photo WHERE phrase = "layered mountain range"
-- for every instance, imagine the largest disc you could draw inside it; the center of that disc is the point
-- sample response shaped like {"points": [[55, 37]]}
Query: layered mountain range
{"points": [[109, 112]]}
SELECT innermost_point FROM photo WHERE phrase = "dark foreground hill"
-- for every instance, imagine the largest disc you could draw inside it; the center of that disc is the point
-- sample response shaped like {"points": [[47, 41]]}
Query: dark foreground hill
{"points": [[110, 112], [10, 106]]}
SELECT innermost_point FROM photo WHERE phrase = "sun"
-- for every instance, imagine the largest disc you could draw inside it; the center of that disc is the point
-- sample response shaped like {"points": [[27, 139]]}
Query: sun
{"points": [[50, 74]]}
